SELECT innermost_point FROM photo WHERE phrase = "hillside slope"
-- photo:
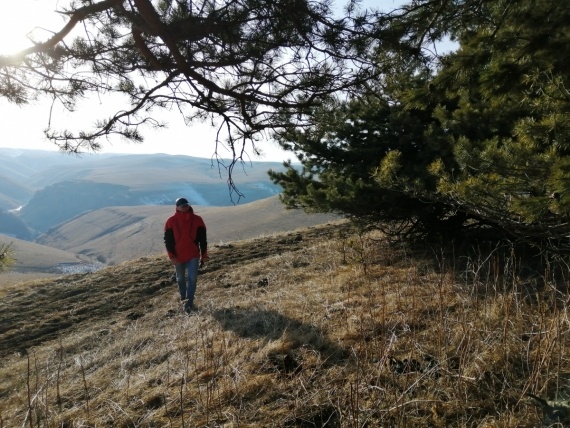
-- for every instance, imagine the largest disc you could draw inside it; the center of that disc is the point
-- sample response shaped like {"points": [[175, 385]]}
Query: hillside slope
{"points": [[50, 188], [311, 328], [11, 225], [13, 192], [116, 234], [36, 258], [113, 235]]}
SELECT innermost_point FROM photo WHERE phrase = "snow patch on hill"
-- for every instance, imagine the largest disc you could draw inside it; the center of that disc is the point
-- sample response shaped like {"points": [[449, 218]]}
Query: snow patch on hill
{"points": [[70, 268]]}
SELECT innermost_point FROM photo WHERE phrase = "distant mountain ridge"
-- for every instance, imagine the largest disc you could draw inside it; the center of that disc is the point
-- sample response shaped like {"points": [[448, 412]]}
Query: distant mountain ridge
{"points": [[52, 188], [99, 210], [11, 225]]}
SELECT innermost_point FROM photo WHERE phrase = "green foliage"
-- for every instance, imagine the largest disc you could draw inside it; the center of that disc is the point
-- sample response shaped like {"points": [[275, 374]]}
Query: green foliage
{"points": [[7, 259], [479, 136], [508, 79]]}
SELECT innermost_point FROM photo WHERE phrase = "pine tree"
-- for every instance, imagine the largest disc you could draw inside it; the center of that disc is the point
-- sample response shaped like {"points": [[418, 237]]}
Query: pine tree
{"points": [[477, 137], [510, 123]]}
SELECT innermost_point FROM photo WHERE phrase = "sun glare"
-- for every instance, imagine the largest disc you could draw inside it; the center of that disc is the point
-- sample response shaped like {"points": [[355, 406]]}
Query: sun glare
{"points": [[21, 19]]}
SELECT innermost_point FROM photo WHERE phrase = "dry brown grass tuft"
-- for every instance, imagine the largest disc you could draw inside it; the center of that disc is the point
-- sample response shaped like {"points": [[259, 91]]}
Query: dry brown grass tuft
{"points": [[307, 329]]}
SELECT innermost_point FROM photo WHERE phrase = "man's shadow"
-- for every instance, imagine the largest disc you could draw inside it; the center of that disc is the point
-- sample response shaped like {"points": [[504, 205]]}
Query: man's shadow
{"points": [[270, 325]]}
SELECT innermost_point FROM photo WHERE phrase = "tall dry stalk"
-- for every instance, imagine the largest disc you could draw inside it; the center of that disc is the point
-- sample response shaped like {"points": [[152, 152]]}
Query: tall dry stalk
{"points": [[30, 409], [181, 392], [353, 405], [85, 387], [60, 355], [164, 395]]}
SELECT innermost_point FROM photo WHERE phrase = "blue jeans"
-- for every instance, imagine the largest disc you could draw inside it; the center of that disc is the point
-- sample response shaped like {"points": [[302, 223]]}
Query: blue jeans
{"points": [[186, 277]]}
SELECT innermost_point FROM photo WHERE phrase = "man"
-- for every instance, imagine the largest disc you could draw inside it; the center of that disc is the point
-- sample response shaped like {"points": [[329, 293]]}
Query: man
{"points": [[187, 248]]}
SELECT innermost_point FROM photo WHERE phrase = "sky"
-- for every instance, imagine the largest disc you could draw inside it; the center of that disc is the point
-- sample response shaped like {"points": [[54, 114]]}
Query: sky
{"points": [[22, 127]]}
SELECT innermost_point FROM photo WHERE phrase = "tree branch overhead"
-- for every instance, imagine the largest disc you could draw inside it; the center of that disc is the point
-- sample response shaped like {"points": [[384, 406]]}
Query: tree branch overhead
{"points": [[249, 65]]}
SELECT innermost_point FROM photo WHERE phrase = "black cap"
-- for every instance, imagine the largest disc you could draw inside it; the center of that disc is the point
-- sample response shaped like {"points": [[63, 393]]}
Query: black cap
{"points": [[181, 201]]}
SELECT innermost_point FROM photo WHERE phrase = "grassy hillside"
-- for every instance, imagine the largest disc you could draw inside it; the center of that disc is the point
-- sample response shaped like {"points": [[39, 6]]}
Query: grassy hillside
{"points": [[113, 235], [32, 257], [312, 328]]}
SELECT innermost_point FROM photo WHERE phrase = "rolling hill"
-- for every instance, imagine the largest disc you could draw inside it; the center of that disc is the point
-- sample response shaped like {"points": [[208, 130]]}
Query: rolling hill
{"points": [[113, 235], [116, 234], [45, 189], [36, 260]]}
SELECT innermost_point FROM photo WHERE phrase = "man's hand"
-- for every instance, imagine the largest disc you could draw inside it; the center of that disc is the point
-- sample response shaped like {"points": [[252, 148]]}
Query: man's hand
{"points": [[174, 260], [203, 260]]}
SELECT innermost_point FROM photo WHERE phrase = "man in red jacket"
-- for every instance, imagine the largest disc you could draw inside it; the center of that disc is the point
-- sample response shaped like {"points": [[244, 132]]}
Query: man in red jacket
{"points": [[187, 248]]}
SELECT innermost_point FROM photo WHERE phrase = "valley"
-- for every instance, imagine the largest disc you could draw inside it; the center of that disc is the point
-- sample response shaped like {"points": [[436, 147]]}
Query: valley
{"points": [[113, 235], [66, 214]]}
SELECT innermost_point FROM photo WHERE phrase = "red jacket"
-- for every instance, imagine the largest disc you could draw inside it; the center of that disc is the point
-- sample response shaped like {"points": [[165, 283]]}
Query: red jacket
{"points": [[185, 236]]}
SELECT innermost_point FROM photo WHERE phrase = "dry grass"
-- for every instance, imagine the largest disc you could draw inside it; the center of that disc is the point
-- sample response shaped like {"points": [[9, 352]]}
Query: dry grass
{"points": [[320, 331], [114, 235]]}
